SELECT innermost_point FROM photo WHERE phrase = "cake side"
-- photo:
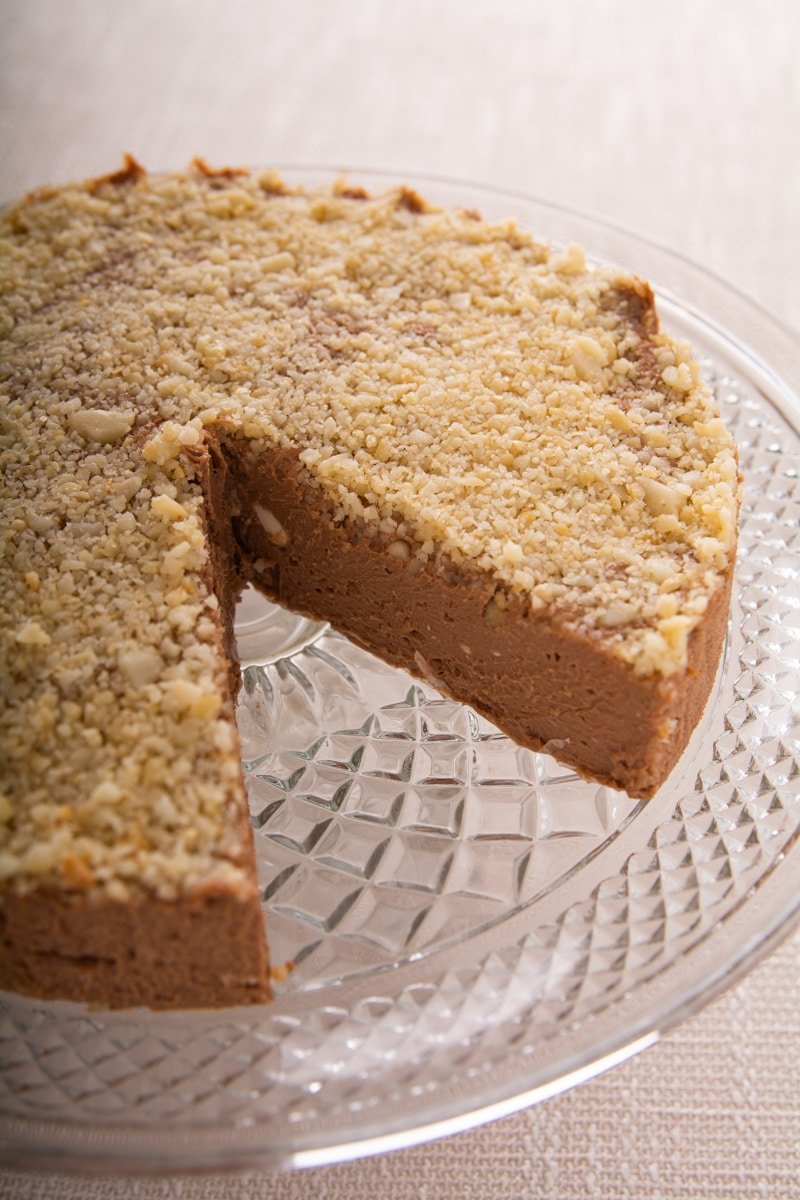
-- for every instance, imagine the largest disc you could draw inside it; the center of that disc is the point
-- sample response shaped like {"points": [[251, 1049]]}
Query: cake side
{"points": [[199, 951], [545, 684]]}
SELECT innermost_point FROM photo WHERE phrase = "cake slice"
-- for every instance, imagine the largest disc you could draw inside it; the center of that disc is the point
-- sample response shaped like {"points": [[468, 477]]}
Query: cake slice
{"points": [[474, 454]]}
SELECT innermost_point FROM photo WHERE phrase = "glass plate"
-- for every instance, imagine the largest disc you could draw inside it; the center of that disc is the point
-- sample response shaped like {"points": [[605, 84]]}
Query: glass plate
{"points": [[473, 928]]}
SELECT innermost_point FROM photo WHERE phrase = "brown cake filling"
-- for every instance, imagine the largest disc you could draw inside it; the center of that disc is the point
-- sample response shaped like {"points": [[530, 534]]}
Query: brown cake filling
{"points": [[542, 682]]}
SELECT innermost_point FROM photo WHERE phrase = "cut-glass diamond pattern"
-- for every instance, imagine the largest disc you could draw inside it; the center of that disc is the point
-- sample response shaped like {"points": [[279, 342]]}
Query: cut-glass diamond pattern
{"points": [[459, 813], [401, 839]]}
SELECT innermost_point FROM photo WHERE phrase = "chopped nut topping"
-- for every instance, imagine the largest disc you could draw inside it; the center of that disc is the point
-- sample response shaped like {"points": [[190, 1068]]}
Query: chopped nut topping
{"points": [[457, 390]]}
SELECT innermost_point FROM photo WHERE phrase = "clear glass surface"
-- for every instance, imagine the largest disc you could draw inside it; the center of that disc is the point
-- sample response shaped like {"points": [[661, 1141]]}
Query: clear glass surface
{"points": [[472, 927]]}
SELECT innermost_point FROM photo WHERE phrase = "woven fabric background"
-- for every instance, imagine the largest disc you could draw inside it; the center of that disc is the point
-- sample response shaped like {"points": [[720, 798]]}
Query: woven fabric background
{"points": [[679, 119]]}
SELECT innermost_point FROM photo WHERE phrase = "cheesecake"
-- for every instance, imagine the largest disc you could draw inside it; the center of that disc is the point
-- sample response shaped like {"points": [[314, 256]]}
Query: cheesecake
{"points": [[476, 455]]}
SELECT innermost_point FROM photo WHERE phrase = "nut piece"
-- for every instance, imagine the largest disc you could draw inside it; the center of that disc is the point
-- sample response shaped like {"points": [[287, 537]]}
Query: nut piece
{"points": [[283, 261], [102, 425], [193, 699], [77, 872], [619, 419], [167, 508], [140, 665], [675, 630], [512, 553], [40, 522], [495, 612], [399, 549], [618, 613], [32, 634], [271, 526], [588, 358], [660, 499]]}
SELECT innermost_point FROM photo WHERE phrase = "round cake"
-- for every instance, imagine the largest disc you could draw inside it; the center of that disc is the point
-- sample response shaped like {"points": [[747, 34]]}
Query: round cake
{"points": [[472, 453]]}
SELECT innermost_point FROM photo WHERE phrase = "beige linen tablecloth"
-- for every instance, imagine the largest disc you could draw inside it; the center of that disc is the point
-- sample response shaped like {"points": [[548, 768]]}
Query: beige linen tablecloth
{"points": [[681, 120]]}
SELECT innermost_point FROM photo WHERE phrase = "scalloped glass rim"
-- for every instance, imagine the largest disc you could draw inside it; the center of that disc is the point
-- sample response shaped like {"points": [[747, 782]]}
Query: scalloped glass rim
{"points": [[749, 930]]}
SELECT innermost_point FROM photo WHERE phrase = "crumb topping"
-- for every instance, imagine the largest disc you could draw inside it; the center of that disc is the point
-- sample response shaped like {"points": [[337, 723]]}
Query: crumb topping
{"points": [[464, 391]]}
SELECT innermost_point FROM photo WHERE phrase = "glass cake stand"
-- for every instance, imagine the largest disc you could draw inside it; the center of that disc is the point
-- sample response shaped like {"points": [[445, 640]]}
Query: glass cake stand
{"points": [[473, 928]]}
